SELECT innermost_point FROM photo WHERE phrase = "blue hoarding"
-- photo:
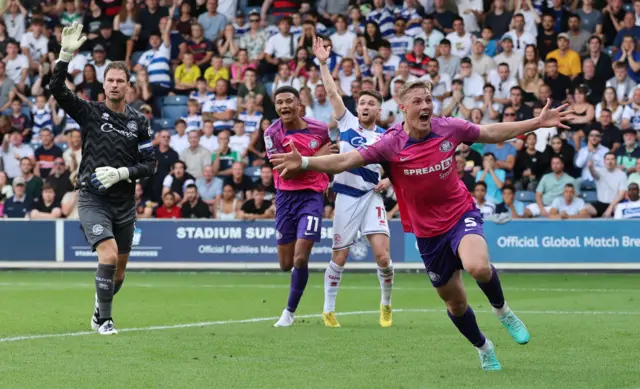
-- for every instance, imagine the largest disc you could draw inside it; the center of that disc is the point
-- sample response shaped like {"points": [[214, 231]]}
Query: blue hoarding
{"points": [[214, 241], [555, 241], [24, 240]]}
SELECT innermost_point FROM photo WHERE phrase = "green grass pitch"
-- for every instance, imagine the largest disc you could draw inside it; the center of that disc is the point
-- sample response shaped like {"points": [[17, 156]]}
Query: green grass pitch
{"points": [[585, 334]]}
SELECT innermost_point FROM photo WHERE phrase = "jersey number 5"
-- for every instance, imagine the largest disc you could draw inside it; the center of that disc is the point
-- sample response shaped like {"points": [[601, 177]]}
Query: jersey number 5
{"points": [[469, 222]]}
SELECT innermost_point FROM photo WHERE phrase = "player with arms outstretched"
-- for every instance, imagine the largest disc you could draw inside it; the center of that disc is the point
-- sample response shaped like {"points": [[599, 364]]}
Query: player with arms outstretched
{"points": [[116, 151], [418, 155], [358, 207], [300, 199]]}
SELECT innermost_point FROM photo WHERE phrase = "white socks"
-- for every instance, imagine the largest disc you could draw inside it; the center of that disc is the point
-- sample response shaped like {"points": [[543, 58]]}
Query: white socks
{"points": [[332, 277], [385, 276]]}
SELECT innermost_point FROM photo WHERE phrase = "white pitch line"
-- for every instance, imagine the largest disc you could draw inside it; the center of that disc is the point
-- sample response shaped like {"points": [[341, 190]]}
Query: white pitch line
{"points": [[62, 285], [309, 316]]}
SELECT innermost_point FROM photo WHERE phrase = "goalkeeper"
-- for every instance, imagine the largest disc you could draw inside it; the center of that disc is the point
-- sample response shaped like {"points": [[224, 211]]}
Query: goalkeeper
{"points": [[116, 151]]}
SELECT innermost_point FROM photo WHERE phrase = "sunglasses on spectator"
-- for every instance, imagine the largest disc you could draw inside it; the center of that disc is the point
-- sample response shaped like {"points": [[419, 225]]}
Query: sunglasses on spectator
{"points": [[254, 20], [595, 135], [509, 114]]}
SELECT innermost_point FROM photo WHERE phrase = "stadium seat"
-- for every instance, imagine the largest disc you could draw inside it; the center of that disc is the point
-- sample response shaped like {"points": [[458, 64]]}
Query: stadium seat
{"points": [[526, 196], [175, 101], [590, 196], [161, 124], [269, 88], [174, 112]]}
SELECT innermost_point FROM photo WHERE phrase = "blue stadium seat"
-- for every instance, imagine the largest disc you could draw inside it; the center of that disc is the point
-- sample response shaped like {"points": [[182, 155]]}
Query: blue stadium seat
{"points": [[526, 196], [161, 124], [63, 146], [175, 100], [174, 112], [590, 196], [269, 88], [135, 57]]}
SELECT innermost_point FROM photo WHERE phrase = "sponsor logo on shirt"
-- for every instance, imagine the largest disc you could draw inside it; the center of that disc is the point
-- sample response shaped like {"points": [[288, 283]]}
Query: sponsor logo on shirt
{"points": [[108, 127], [446, 146], [441, 166]]}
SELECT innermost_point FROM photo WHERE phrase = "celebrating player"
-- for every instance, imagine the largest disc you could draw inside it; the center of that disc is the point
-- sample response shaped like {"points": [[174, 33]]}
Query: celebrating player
{"points": [[359, 206], [299, 200], [116, 151], [418, 155]]}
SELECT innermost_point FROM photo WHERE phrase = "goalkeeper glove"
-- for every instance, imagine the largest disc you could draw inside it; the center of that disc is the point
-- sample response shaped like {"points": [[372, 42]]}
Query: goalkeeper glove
{"points": [[72, 40], [105, 177]]}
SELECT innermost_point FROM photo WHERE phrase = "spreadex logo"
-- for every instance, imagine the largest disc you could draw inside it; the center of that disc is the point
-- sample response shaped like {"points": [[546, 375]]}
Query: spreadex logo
{"points": [[439, 167]]}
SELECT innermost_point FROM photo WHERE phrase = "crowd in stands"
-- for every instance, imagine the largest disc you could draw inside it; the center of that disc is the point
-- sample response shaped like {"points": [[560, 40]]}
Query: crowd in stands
{"points": [[204, 73]]}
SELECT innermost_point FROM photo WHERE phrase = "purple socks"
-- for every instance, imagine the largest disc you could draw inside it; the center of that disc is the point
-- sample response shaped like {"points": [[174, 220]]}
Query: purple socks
{"points": [[299, 279], [468, 327], [493, 290]]}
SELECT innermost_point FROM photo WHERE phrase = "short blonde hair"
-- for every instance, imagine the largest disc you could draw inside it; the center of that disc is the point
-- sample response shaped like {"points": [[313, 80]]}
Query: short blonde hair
{"points": [[417, 84]]}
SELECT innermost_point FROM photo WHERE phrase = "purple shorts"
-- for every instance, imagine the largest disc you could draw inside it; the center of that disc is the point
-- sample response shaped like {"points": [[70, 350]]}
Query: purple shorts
{"points": [[298, 215], [440, 253]]}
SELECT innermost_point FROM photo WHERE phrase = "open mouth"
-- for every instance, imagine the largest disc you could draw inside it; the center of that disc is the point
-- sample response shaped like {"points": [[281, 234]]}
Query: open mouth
{"points": [[424, 117]]}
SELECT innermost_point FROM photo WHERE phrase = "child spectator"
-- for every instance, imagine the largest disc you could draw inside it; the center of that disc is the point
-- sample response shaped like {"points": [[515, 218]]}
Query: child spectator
{"points": [[193, 118], [250, 116], [201, 94], [215, 72], [186, 75]]}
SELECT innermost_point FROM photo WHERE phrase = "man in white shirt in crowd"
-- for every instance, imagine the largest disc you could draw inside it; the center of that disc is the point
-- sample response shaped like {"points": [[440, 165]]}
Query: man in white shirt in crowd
{"points": [[461, 40], [631, 113], [508, 55], [629, 208], [611, 185], [99, 62], [568, 206], [221, 109], [13, 150], [519, 36], [486, 206], [470, 11], [17, 66], [594, 152], [390, 110], [282, 46], [502, 80], [473, 82], [440, 82], [34, 44], [390, 61], [403, 74], [431, 37], [196, 157], [459, 105], [321, 106], [180, 140], [482, 63], [550, 187], [208, 140], [342, 40]]}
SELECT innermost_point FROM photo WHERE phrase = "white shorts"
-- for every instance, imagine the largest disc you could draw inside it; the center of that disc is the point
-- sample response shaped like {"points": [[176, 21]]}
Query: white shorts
{"points": [[365, 215], [535, 209]]}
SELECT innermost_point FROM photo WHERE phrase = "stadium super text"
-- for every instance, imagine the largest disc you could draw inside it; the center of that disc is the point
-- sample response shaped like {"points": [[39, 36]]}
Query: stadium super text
{"points": [[567, 242]]}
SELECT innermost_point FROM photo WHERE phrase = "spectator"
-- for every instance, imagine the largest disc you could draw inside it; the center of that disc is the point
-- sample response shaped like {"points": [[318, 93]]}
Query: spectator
{"points": [[558, 147], [482, 63], [212, 22], [69, 202], [629, 208], [186, 75], [550, 187], [621, 82], [568, 206], [631, 113], [461, 40], [473, 158], [512, 58], [492, 177], [285, 78], [6, 190], [254, 40], [510, 206], [201, 94], [279, 48], [578, 37], [239, 67], [321, 106], [611, 185], [221, 109], [519, 36], [33, 183], [594, 85], [223, 158], [486, 206], [498, 18], [20, 204], [180, 140], [257, 207], [342, 39], [629, 29], [634, 178], [583, 115], [441, 82], [34, 45], [610, 102], [193, 120], [611, 135], [227, 206], [448, 63], [47, 207], [528, 166], [240, 141], [252, 86], [630, 56], [569, 63], [6, 85], [20, 121], [467, 179], [228, 45], [177, 181], [14, 15], [431, 37], [201, 48], [209, 187], [168, 209], [548, 37], [208, 140], [125, 21], [266, 181], [192, 205], [196, 157], [628, 155], [60, 179], [594, 152], [241, 183], [458, 105], [473, 82], [504, 152], [144, 207], [523, 111], [114, 43], [251, 117], [600, 59], [590, 18], [13, 150], [156, 61]]}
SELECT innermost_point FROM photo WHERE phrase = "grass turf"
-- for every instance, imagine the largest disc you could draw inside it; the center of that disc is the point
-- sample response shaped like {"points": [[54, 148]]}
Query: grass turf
{"points": [[585, 334]]}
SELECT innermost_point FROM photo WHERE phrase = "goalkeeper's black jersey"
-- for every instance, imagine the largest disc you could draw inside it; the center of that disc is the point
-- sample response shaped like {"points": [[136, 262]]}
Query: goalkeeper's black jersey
{"points": [[108, 138]]}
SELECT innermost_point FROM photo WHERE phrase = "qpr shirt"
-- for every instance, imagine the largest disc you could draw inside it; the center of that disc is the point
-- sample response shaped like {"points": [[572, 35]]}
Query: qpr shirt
{"points": [[627, 210], [359, 181], [431, 197]]}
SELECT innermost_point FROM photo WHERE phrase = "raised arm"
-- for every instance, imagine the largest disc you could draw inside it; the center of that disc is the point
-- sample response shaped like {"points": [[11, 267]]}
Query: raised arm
{"points": [[327, 79], [502, 132], [74, 106], [291, 163]]}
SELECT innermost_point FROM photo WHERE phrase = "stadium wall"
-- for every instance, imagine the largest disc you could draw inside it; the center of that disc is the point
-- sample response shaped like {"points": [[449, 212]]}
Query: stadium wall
{"points": [[215, 245]]}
